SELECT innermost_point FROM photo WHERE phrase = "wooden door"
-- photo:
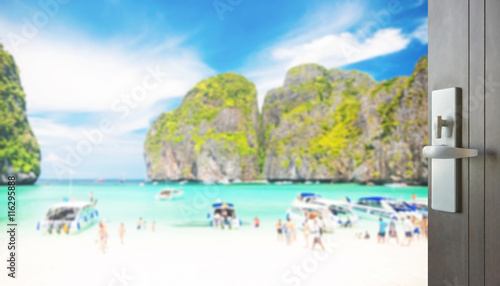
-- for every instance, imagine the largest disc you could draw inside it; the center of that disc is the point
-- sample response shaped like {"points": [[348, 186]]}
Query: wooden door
{"points": [[464, 51]]}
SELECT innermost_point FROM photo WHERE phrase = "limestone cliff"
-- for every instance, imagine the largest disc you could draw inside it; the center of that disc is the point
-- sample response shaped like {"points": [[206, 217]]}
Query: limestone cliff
{"points": [[338, 125], [211, 136], [19, 150]]}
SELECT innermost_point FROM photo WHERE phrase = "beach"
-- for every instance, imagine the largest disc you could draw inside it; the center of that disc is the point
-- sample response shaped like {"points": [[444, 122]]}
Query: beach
{"points": [[205, 256], [184, 250]]}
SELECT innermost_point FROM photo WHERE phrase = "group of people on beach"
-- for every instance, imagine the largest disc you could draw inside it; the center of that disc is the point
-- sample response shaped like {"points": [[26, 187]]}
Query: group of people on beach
{"points": [[141, 224], [103, 233], [310, 227], [224, 219], [411, 225]]}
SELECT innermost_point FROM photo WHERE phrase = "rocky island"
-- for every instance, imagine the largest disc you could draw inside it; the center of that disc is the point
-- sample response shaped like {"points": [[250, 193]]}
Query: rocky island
{"points": [[321, 125], [19, 149], [212, 135]]}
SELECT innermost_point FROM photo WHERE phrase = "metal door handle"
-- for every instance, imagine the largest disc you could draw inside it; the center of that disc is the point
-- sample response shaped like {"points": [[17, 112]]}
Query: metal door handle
{"points": [[440, 122], [446, 152]]}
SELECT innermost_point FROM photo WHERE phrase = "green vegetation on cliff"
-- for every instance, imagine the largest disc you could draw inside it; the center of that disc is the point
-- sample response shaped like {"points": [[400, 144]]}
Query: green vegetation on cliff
{"points": [[320, 125], [221, 109], [19, 150], [324, 124]]}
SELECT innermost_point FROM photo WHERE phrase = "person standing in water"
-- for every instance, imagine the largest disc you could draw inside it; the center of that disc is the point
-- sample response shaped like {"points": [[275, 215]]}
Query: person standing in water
{"points": [[121, 232], [91, 196], [279, 229], [153, 226], [289, 229], [316, 231]]}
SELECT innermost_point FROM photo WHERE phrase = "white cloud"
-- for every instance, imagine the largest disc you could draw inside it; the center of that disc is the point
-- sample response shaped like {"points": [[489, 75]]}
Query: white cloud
{"points": [[65, 72], [332, 50], [421, 32], [75, 73], [342, 49]]}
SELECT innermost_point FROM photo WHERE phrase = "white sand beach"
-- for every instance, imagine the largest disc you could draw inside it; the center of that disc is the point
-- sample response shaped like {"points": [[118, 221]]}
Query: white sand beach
{"points": [[205, 256]]}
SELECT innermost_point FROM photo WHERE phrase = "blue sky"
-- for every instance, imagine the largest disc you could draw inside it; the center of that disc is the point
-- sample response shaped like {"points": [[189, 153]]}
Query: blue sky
{"points": [[82, 61]]}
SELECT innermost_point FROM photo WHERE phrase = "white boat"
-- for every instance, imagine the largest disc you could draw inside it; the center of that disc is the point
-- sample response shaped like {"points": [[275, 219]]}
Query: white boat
{"points": [[169, 194], [224, 215], [331, 213], [209, 181], [68, 217], [283, 183], [224, 181], [396, 185], [384, 207]]}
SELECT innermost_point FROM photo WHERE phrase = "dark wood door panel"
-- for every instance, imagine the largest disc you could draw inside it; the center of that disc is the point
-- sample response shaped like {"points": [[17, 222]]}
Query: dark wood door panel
{"points": [[449, 67], [477, 133], [492, 143]]}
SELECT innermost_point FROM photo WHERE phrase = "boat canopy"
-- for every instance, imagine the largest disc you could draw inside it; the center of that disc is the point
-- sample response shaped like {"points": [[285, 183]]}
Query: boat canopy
{"points": [[222, 205], [306, 195], [377, 199]]}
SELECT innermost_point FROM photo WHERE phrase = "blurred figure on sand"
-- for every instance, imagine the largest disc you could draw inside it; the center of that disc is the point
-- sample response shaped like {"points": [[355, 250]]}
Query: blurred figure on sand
{"points": [[103, 236], [381, 230], [289, 230], [408, 227], [256, 222], [416, 227], [425, 226], [306, 232], [279, 229], [121, 232], [317, 232], [392, 230]]}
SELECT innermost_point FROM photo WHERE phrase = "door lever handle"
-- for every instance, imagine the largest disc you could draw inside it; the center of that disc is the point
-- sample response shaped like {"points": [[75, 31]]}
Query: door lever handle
{"points": [[446, 152]]}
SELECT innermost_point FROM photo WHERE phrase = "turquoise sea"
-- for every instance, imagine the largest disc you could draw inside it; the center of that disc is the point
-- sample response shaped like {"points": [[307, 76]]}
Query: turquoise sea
{"points": [[126, 202]]}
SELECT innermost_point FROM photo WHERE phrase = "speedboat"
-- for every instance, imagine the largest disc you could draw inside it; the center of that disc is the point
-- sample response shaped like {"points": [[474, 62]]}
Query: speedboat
{"points": [[68, 217], [384, 207], [396, 185], [331, 213], [169, 194], [224, 215], [224, 181]]}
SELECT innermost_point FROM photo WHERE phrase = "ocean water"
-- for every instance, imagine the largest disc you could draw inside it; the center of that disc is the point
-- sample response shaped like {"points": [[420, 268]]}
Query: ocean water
{"points": [[126, 202]]}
